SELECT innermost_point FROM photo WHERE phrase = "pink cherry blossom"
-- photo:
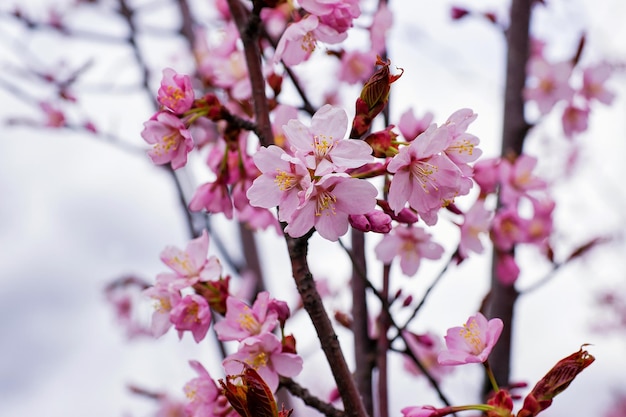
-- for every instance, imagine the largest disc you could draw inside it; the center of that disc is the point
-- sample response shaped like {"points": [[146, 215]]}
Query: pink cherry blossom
{"points": [[471, 343], [575, 120], [411, 244], [411, 127], [175, 92], [264, 354], [205, 398], [508, 228], [487, 175], [337, 14], [242, 321], [322, 147], [419, 411], [477, 221], [298, 42], [462, 147], [231, 73], [170, 137], [426, 348], [506, 269], [214, 197], [425, 177], [192, 314], [165, 298], [283, 178], [381, 23], [356, 66], [192, 265], [594, 79], [517, 179], [328, 202], [54, 116], [548, 83]]}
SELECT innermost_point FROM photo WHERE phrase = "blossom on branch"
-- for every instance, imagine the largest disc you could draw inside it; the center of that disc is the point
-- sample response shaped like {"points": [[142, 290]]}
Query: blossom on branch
{"points": [[411, 244], [170, 137], [242, 321], [471, 343], [175, 92]]}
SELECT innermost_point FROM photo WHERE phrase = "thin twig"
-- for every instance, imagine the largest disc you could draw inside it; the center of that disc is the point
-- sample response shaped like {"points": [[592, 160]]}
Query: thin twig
{"points": [[309, 399]]}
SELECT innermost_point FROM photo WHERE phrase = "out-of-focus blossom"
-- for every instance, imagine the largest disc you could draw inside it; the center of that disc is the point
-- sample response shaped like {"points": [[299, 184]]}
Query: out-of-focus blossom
{"points": [[548, 83], [411, 244], [594, 80], [506, 269], [411, 127], [381, 23], [336, 14], [476, 220], [175, 92], [356, 66], [214, 197], [205, 398], [426, 348], [518, 179], [170, 139], [575, 120], [471, 343], [54, 116], [165, 298], [192, 313]]}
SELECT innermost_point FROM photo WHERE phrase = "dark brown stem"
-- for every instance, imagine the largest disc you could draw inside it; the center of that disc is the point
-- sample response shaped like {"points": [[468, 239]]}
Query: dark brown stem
{"points": [[248, 25], [313, 305], [364, 350], [309, 399], [383, 346], [502, 298]]}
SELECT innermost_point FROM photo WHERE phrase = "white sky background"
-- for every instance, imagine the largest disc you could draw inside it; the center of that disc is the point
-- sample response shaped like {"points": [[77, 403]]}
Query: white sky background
{"points": [[76, 213]]}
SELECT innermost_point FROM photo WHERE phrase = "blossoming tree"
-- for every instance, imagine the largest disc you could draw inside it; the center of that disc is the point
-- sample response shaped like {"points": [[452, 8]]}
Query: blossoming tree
{"points": [[343, 167]]}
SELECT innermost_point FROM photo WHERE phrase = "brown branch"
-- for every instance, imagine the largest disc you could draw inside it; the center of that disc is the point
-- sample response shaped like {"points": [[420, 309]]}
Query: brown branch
{"points": [[309, 399], [384, 321], [329, 342], [502, 298]]}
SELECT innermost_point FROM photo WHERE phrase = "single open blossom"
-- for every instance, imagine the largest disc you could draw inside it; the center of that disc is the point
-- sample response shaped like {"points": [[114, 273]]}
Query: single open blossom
{"points": [[192, 265], [381, 23], [594, 79], [322, 146], [356, 66], [193, 314], [175, 92], [242, 321], [518, 179], [424, 176], [471, 343], [205, 398], [214, 197], [477, 221], [165, 298], [298, 42], [170, 137], [575, 120], [411, 244], [548, 83], [337, 14], [462, 147], [264, 354], [328, 202], [508, 228]]}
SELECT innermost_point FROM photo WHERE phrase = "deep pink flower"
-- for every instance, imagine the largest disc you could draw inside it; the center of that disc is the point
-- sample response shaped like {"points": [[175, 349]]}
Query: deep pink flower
{"points": [[548, 83], [507, 270], [193, 314], [419, 411], [175, 92], [192, 264], [205, 398], [471, 343], [575, 120], [264, 354], [594, 78], [508, 228], [242, 321], [411, 244], [214, 198], [171, 139], [337, 14], [425, 177], [322, 146], [328, 202], [375, 221]]}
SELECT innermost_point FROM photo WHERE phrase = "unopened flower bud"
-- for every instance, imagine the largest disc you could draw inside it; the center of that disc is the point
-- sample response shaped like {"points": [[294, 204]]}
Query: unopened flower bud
{"points": [[281, 308], [383, 142], [374, 221]]}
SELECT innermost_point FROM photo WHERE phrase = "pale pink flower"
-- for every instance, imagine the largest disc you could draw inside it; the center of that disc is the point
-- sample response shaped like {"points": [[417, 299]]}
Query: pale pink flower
{"points": [[282, 178], [471, 343], [242, 321], [192, 265], [381, 23], [462, 147], [425, 177], [575, 120], [477, 221], [517, 179], [298, 42], [205, 398], [328, 202], [164, 298], [594, 79], [175, 92], [214, 198], [356, 66], [508, 228], [411, 244], [322, 146], [192, 313], [540, 226], [257, 218], [282, 114], [411, 127], [548, 83], [507, 270], [170, 137], [264, 354], [426, 348], [419, 411], [275, 18]]}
